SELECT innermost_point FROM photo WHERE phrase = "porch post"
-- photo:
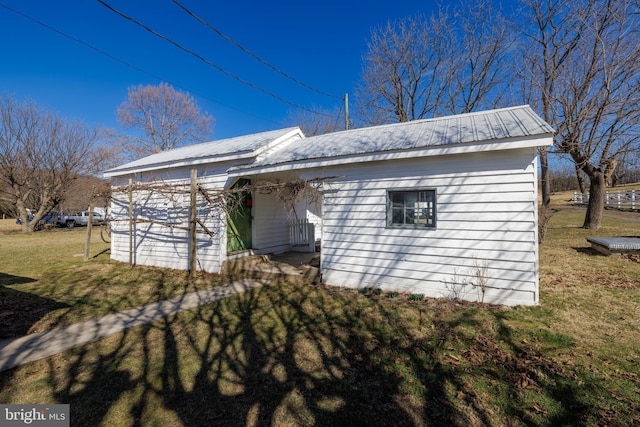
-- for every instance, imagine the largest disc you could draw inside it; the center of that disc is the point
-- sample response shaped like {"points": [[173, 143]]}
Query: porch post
{"points": [[131, 221], [192, 222]]}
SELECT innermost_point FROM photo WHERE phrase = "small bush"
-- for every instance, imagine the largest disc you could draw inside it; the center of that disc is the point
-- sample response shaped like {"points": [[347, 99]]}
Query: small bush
{"points": [[377, 291], [364, 291], [392, 294], [544, 216], [416, 297]]}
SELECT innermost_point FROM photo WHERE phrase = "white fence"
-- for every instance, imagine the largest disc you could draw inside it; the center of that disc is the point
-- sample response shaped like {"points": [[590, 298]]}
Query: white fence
{"points": [[614, 199], [302, 236]]}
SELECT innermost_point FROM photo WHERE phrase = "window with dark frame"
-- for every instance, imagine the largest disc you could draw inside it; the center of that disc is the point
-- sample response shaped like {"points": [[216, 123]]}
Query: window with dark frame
{"points": [[411, 208]]}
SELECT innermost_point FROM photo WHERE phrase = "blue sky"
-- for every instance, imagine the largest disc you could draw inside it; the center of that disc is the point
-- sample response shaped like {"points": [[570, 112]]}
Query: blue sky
{"points": [[319, 43]]}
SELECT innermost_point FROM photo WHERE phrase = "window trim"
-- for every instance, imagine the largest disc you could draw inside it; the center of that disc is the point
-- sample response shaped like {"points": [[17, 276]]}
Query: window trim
{"points": [[389, 218]]}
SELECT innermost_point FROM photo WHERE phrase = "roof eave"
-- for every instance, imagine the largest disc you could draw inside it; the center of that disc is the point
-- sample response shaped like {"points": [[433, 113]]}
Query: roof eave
{"points": [[172, 164], [539, 140], [183, 163]]}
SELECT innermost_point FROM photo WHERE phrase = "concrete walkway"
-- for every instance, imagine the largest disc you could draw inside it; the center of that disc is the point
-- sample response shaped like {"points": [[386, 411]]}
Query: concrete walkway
{"points": [[15, 352]]}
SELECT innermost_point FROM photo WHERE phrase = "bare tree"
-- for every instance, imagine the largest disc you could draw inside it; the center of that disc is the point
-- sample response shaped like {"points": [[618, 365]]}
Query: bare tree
{"points": [[318, 123], [41, 155], [165, 117], [83, 190], [585, 68], [481, 66], [549, 41], [403, 73], [446, 64]]}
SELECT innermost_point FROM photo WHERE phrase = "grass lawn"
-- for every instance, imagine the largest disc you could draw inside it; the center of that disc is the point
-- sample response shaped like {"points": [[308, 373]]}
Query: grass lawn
{"points": [[295, 354], [45, 282]]}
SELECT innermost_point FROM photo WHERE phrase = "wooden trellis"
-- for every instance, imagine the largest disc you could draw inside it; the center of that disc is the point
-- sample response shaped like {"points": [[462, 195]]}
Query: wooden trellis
{"points": [[288, 193]]}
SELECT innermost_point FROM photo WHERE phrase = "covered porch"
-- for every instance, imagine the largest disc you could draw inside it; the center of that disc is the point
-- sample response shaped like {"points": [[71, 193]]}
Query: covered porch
{"points": [[277, 215]]}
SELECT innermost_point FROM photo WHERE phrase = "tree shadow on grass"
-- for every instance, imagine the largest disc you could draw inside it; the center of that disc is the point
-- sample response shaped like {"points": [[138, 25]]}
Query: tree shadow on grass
{"points": [[270, 357], [90, 384], [21, 310], [275, 355], [476, 375], [588, 251], [289, 354]]}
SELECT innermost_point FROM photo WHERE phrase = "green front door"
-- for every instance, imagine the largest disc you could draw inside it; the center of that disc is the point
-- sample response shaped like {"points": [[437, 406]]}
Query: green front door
{"points": [[239, 219]]}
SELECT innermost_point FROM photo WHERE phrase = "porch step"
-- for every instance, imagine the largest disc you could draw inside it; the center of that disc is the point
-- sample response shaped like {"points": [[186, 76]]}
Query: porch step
{"points": [[268, 267]]}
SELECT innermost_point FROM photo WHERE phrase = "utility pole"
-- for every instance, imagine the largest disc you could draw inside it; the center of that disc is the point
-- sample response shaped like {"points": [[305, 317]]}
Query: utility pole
{"points": [[346, 111]]}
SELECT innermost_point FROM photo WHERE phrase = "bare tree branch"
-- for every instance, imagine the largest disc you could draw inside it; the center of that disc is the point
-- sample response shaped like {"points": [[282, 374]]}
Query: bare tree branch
{"points": [[582, 60], [165, 118], [41, 155], [317, 124], [448, 63]]}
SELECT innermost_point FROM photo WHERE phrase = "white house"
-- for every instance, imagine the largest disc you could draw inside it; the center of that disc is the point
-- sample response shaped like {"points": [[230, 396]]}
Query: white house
{"points": [[445, 207], [150, 225]]}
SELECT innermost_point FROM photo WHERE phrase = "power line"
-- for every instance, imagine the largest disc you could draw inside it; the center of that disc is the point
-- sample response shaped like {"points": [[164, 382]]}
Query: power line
{"points": [[122, 61], [250, 53], [206, 61]]}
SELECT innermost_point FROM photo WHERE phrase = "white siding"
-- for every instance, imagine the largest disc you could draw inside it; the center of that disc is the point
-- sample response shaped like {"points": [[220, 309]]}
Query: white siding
{"points": [[155, 243], [270, 229], [486, 213]]}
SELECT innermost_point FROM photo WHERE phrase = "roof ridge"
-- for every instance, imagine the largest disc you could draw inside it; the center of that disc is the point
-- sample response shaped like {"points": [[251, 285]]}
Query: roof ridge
{"points": [[287, 129], [430, 119]]}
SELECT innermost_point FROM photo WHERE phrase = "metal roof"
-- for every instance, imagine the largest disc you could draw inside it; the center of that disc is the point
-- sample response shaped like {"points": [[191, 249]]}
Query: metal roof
{"points": [[239, 147], [505, 123], [491, 125]]}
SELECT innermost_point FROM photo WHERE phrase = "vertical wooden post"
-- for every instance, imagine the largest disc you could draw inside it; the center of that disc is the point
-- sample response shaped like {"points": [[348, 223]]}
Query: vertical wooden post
{"points": [[192, 222], [87, 243], [131, 221]]}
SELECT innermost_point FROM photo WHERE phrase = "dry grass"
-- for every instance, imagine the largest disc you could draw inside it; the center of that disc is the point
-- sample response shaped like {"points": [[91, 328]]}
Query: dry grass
{"points": [[595, 297], [289, 354], [45, 282], [8, 225], [564, 198]]}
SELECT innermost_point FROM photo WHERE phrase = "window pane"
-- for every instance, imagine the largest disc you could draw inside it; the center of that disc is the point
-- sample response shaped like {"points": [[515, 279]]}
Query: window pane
{"points": [[397, 199], [398, 216], [412, 208], [409, 215]]}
